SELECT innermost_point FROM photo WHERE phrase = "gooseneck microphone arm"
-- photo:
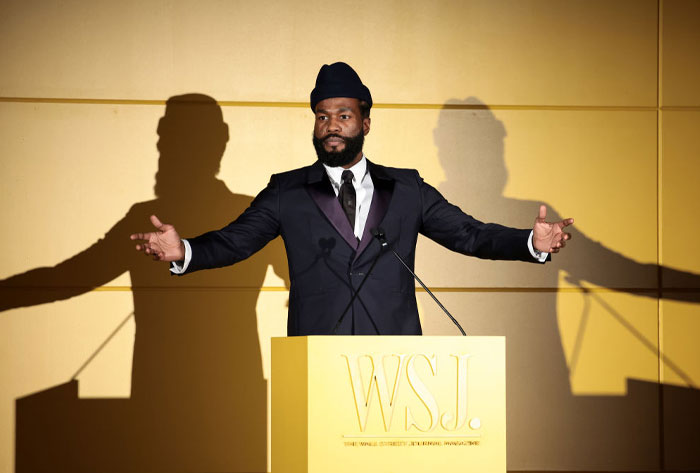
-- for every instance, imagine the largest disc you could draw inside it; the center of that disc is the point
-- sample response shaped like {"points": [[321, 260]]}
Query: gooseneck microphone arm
{"points": [[378, 233]]}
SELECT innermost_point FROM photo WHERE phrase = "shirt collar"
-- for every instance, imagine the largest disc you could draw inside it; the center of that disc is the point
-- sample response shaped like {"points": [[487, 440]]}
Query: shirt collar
{"points": [[358, 170]]}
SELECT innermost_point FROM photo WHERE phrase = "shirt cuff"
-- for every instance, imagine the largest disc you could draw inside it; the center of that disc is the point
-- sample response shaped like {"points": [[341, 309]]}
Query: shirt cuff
{"points": [[540, 256], [179, 267]]}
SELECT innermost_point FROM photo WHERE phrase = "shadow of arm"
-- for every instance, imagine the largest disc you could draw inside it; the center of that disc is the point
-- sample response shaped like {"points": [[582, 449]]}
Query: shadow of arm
{"points": [[600, 265], [96, 265]]}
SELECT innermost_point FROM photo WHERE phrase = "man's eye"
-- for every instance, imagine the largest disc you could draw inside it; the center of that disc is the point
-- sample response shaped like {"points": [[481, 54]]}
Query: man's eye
{"points": [[345, 117], [321, 117]]}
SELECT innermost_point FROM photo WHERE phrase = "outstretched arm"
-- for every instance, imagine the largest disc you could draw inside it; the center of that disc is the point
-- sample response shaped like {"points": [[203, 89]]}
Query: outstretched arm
{"points": [[163, 245], [550, 237], [452, 228], [246, 235]]}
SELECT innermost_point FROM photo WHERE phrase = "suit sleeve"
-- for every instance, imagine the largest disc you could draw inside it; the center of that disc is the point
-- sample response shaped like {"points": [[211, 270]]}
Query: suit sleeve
{"points": [[449, 226], [250, 232]]}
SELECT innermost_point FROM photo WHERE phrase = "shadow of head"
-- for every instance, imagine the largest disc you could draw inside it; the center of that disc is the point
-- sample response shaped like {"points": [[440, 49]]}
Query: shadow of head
{"points": [[470, 142], [192, 137]]}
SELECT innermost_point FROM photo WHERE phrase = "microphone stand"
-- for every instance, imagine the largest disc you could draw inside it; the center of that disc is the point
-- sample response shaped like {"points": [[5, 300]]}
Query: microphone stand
{"points": [[355, 293], [378, 233]]}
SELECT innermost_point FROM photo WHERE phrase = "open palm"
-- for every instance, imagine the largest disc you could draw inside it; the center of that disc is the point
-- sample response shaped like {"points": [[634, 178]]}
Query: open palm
{"points": [[550, 237], [164, 244]]}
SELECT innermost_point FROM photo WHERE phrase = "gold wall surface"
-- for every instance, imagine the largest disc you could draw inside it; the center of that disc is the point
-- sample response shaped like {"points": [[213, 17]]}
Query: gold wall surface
{"points": [[509, 52], [679, 312], [681, 55], [590, 108]]}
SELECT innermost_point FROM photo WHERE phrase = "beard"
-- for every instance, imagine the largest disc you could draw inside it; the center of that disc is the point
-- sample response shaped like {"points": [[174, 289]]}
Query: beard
{"points": [[353, 147]]}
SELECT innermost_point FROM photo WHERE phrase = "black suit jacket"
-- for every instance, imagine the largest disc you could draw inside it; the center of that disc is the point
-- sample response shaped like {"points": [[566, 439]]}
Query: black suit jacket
{"points": [[326, 261]]}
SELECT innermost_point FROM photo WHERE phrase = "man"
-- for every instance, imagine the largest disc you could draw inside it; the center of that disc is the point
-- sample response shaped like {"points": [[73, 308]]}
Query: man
{"points": [[326, 214]]}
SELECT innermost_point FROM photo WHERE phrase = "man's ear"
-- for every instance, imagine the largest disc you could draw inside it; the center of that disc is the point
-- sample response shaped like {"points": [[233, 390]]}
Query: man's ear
{"points": [[365, 125]]}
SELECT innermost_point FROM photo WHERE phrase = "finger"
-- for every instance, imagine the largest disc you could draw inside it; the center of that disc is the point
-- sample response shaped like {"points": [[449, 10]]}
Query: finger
{"points": [[567, 222], [143, 247], [554, 250], [562, 244], [566, 236], [156, 223], [543, 212], [140, 236]]}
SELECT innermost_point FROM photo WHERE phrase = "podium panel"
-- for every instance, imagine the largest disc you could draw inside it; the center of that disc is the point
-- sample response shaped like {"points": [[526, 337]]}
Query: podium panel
{"points": [[388, 404]]}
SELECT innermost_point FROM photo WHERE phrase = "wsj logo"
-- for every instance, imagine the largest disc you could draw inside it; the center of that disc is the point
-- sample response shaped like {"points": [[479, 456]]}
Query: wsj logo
{"points": [[385, 387]]}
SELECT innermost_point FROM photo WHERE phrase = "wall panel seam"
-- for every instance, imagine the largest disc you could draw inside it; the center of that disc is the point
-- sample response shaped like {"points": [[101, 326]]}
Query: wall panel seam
{"points": [[394, 106], [659, 306]]}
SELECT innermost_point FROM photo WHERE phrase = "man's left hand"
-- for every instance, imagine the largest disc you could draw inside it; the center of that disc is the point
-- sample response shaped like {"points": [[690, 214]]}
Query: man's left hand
{"points": [[550, 237]]}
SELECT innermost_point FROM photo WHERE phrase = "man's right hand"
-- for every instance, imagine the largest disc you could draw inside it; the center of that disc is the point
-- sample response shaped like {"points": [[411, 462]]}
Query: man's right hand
{"points": [[164, 244]]}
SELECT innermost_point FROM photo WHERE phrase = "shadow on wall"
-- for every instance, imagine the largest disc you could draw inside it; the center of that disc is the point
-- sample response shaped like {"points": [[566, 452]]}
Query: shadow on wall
{"points": [[548, 426], [194, 407], [198, 400]]}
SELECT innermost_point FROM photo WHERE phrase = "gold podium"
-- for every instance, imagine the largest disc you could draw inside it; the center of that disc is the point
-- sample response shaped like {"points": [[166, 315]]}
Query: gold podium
{"points": [[409, 404]]}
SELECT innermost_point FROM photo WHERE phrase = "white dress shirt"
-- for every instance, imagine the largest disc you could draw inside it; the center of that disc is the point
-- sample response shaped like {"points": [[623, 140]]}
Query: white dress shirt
{"points": [[364, 190]]}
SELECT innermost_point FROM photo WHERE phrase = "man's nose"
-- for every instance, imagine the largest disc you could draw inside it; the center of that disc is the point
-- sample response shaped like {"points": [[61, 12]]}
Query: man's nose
{"points": [[333, 124]]}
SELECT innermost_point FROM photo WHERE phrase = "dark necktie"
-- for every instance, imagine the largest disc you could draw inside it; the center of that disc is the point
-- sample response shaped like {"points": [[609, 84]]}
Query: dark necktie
{"points": [[347, 197]]}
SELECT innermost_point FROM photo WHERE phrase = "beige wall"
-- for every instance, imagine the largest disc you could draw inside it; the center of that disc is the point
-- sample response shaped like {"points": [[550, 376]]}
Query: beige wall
{"points": [[502, 105]]}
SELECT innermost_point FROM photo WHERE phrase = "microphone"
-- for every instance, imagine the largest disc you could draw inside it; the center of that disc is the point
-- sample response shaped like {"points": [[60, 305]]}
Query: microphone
{"points": [[378, 233]]}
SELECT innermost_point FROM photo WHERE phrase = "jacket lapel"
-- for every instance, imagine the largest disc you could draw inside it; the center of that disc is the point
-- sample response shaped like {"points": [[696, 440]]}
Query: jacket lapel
{"points": [[320, 190], [383, 190]]}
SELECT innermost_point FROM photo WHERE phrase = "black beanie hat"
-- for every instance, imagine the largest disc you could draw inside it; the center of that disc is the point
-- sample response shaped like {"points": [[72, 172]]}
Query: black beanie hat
{"points": [[338, 80]]}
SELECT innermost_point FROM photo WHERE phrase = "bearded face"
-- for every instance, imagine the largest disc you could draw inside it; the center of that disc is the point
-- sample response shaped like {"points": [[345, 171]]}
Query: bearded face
{"points": [[340, 127], [338, 155]]}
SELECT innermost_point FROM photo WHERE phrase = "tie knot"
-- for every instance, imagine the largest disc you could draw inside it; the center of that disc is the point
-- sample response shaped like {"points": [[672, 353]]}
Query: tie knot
{"points": [[347, 176]]}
